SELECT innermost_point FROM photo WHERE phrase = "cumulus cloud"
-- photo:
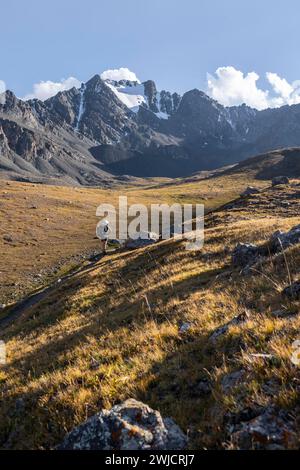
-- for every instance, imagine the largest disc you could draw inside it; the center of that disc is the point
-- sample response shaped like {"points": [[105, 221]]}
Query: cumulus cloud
{"points": [[119, 74], [44, 90], [232, 87], [289, 93], [2, 91]]}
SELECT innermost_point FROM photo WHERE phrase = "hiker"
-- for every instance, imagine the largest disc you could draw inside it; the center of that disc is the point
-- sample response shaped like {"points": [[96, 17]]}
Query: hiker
{"points": [[103, 233]]}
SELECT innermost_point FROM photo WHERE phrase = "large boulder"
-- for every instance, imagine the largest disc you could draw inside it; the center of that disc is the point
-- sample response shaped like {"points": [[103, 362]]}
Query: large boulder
{"points": [[283, 240], [132, 425], [244, 254], [280, 180]]}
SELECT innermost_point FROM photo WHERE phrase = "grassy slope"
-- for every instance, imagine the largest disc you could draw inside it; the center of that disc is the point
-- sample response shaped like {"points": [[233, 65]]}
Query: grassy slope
{"points": [[51, 226], [114, 333]]}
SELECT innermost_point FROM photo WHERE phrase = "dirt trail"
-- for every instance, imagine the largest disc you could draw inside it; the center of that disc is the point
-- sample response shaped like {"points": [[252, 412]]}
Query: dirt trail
{"points": [[20, 307]]}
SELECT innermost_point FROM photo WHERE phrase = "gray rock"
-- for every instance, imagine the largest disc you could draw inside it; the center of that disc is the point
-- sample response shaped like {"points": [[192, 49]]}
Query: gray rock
{"points": [[282, 240], [271, 428], [292, 291], [148, 238], [244, 253], [237, 320], [8, 238], [232, 380], [132, 425], [250, 190], [185, 327], [280, 180]]}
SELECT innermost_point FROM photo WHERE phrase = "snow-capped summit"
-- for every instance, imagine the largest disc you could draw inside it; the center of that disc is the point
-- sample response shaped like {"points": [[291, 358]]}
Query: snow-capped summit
{"points": [[131, 92]]}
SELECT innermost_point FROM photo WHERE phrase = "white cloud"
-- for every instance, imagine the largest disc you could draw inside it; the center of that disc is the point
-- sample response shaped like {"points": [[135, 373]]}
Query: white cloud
{"points": [[44, 90], [232, 87], [2, 91], [119, 74], [289, 93]]}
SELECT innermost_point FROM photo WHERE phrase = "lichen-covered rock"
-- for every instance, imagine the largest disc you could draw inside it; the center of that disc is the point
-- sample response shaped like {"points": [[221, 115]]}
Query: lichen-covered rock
{"points": [[280, 180], [132, 425], [244, 253], [271, 430]]}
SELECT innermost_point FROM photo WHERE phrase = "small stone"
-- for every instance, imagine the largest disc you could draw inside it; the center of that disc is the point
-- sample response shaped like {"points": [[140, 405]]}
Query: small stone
{"points": [[185, 327], [8, 238], [237, 320], [232, 380]]}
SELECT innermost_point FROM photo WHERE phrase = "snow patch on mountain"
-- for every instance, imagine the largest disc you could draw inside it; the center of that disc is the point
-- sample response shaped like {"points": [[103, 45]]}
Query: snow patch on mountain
{"points": [[81, 107], [131, 93]]}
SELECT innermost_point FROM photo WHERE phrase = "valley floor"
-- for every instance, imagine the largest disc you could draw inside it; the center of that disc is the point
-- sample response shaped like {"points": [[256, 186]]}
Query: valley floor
{"points": [[146, 324], [46, 231]]}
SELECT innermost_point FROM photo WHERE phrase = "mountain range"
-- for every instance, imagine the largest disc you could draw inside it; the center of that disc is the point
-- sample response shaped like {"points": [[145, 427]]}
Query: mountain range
{"points": [[109, 130]]}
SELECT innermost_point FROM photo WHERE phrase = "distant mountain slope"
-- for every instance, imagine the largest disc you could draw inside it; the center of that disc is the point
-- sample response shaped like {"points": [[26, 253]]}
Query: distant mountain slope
{"points": [[106, 128], [282, 162]]}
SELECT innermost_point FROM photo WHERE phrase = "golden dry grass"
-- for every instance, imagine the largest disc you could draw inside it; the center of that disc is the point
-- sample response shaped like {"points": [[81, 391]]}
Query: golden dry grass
{"points": [[114, 333], [52, 226]]}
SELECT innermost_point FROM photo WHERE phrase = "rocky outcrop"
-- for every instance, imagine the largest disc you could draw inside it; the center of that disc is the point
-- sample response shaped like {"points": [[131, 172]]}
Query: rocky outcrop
{"points": [[270, 429], [244, 253], [282, 240], [132, 425]]}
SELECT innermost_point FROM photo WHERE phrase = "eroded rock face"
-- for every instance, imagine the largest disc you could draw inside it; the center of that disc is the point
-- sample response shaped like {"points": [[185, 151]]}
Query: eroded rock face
{"points": [[132, 425]]}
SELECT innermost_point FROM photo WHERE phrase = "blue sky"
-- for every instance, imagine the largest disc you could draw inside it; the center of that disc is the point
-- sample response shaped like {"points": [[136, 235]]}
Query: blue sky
{"points": [[174, 42]]}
